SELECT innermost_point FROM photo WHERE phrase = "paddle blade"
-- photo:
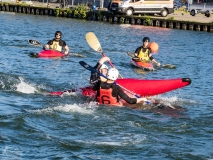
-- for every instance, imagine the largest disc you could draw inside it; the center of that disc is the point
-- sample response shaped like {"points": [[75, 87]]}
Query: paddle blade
{"points": [[131, 54], [93, 42], [170, 66], [87, 66], [34, 42]]}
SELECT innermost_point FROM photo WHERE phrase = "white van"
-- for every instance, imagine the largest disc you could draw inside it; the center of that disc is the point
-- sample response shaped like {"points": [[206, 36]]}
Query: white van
{"points": [[129, 7]]}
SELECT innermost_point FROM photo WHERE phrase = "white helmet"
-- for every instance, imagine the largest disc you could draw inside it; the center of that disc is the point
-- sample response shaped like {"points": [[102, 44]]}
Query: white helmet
{"points": [[103, 66], [112, 74]]}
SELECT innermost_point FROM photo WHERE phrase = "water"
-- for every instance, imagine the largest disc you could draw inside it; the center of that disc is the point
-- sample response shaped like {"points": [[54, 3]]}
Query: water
{"points": [[37, 126]]}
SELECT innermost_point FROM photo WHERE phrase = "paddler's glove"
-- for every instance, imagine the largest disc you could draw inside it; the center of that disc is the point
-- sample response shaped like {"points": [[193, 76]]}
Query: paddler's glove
{"points": [[44, 48], [158, 64]]}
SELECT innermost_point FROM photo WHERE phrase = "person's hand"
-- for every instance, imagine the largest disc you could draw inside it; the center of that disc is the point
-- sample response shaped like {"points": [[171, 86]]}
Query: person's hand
{"points": [[142, 99], [44, 48], [158, 64], [66, 53]]}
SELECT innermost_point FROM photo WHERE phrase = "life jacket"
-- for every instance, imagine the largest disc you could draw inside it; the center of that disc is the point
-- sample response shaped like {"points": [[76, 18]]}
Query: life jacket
{"points": [[56, 45], [144, 55], [106, 97]]}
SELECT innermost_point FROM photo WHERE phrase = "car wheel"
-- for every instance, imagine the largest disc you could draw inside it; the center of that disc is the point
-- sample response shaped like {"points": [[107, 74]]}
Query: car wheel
{"points": [[129, 12], [193, 12], [164, 13], [207, 14]]}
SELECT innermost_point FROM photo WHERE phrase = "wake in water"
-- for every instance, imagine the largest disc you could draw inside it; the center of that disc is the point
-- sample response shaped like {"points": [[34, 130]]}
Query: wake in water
{"points": [[14, 83], [164, 105]]}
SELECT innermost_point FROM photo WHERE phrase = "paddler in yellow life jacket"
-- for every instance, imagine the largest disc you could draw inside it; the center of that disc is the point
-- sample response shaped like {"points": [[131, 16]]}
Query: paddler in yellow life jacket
{"points": [[143, 53], [57, 44], [110, 93]]}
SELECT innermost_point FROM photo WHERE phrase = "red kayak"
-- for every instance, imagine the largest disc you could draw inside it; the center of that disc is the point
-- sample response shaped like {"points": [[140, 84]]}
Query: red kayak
{"points": [[144, 65], [140, 87], [47, 54]]}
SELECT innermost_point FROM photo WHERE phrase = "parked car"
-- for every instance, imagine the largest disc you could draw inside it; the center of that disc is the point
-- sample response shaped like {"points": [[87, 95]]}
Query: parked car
{"points": [[130, 7], [203, 8]]}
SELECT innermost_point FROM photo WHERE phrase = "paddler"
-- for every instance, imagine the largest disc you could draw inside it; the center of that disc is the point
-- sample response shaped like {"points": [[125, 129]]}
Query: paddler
{"points": [[107, 91], [143, 53], [57, 44]]}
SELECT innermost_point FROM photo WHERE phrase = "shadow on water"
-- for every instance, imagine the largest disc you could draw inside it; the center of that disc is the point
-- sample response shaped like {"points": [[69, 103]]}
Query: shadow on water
{"points": [[163, 108]]}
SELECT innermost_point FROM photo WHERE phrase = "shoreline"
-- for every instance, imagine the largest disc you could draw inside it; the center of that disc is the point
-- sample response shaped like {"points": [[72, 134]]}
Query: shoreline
{"points": [[177, 20]]}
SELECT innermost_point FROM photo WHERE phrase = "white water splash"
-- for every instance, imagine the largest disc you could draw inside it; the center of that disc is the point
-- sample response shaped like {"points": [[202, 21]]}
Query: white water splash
{"points": [[122, 139], [23, 87], [87, 108]]}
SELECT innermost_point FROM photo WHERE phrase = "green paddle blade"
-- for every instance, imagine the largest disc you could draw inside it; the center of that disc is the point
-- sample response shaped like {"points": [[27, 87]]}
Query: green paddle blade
{"points": [[131, 54], [170, 66]]}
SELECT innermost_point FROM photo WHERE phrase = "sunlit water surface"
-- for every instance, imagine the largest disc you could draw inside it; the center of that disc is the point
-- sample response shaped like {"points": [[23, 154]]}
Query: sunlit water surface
{"points": [[37, 126]]}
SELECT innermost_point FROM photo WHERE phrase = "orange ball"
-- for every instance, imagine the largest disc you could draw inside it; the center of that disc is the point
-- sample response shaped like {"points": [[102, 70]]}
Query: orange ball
{"points": [[154, 47]]}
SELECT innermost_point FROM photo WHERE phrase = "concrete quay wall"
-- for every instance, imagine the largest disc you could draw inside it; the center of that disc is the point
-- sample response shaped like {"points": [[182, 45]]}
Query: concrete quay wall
{"points": [[173, 21]]}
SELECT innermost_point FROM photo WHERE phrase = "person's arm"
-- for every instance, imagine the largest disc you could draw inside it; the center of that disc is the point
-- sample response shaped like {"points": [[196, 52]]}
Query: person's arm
{"points": [[47, 46], [117, 91], [124, 96], [137, 51], [95, 76], [66, 50], [153, 60]]}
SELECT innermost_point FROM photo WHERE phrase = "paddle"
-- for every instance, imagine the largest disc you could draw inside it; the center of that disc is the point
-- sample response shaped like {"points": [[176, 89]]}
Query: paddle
{"points": [[94, 43], [58, 93], [34, 42], [37, 43], [93, 70], [170, 66]]}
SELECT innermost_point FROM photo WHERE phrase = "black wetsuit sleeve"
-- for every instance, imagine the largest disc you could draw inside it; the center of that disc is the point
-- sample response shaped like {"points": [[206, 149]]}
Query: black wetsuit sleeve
{"points": [[138, 50], [95, 76], [117, 91], [50, 42], [62, 43], [151, 58], [98, 66]]}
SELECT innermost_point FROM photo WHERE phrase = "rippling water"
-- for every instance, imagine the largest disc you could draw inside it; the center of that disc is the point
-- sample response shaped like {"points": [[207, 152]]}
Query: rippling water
{"points": [[37, 126]]}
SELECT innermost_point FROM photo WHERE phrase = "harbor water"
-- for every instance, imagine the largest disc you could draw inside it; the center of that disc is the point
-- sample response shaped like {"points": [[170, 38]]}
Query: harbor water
{"points": [[34, 125]]}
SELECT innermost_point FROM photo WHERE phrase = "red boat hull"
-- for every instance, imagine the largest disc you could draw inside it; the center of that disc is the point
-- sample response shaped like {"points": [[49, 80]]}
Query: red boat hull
{"points": [[143, 65], [143, 88], [50, 53]]}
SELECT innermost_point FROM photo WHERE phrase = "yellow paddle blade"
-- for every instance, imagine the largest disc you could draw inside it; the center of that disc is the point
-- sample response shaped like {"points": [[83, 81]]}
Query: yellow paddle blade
{"points": [[93, 42]]}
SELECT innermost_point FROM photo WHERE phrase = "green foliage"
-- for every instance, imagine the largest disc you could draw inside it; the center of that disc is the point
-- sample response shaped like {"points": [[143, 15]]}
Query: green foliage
{"points": [[100, 15], [69, 13], [80, 11], [122, 19], [65, 13], [171, 18], [57, 12], [148, 20]]}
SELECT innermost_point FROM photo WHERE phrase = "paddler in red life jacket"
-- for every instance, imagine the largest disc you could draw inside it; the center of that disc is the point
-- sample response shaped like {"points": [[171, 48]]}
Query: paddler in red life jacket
{"points": [[110, 93], [143, 53], [57, 44]]}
